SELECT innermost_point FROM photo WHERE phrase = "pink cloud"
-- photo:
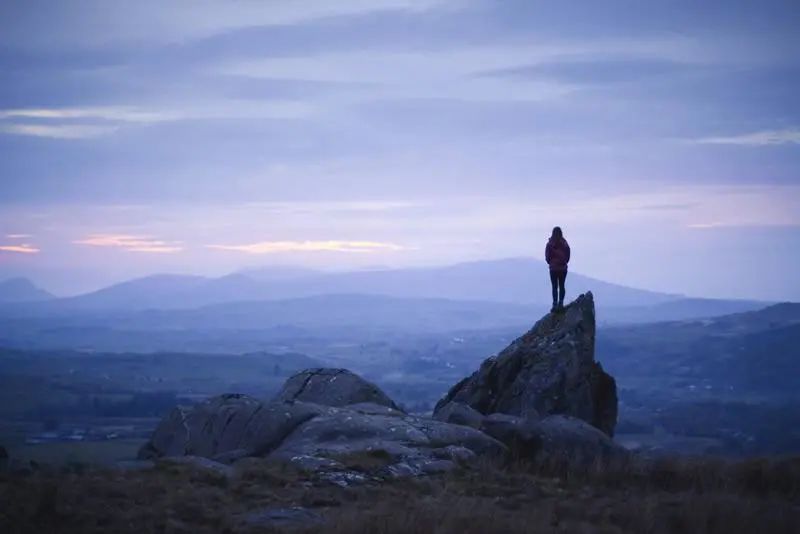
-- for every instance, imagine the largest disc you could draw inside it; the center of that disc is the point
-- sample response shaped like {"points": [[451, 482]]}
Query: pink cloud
{"points": [[23, 248], [132, 243], [272, 247]]}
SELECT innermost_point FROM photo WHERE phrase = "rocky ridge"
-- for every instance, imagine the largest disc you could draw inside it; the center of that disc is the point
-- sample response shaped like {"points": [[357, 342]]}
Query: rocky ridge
{"points": [[542, 395]]}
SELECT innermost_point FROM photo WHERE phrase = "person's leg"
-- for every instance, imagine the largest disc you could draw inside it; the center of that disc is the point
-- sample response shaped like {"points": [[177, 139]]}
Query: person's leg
{"points": [[562, 291], [554, 284]]}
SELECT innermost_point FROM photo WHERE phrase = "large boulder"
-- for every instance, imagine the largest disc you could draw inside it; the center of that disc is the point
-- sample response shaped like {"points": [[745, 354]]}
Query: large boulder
{"points": [[574, 441], [549, 370], [345, 432], [227, 426], [556, 437], [459, 414], [231, 427], [332, 387]]}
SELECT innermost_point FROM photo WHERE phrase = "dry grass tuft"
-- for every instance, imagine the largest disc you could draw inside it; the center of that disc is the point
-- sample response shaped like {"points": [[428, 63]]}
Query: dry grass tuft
{"points": [[661, 496]]}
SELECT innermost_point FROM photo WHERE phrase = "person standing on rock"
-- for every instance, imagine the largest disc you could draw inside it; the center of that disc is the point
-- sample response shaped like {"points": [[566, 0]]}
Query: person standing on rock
{"points": [[556, 253]]}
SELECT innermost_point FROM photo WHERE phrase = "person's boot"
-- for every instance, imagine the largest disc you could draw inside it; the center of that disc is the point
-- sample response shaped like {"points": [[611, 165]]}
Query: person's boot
{"points": [[554, 307], [561, 304]]}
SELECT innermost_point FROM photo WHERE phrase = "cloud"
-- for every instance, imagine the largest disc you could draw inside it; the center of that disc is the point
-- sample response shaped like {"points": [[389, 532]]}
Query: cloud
{"points": [[132, 243], [103, 22], [337, 207], [762, 138], [57, 131], [272, 247], [125, 114], [217, 109], [96, 121], [742, 225], [18, 236], [22, 248]]}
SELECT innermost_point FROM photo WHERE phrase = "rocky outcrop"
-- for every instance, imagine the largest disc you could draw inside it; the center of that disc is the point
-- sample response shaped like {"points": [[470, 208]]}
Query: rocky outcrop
{"points": [[332, 387], [230, 427], [549, 370], [542, 396]]}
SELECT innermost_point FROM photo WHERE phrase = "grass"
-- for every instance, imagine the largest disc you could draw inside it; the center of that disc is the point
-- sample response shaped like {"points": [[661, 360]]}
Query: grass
{"points": [[665, 496], [89, 452]]}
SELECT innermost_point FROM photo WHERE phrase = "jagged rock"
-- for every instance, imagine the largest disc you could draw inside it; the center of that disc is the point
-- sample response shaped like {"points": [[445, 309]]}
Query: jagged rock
{"points": [[459, 413], [549, 370], [351, 416], [333, 387]]}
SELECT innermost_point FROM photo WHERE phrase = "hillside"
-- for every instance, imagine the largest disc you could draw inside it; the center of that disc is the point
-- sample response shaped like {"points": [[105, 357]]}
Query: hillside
{"points": [[725, 384], [752, 352], [15, 290]]}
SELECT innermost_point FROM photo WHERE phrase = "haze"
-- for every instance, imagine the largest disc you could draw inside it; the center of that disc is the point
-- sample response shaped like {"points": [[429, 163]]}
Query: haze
{"points": [[205, 138]]}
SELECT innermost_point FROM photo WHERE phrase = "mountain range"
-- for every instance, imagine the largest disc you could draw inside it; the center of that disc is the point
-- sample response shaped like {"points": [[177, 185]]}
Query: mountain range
{"points": [[516, 280], [483, 294]]}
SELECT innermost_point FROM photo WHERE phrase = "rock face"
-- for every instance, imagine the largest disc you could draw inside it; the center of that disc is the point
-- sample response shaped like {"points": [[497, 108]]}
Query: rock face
{"points": [[332, 387], [230, 427], [549, 370]]}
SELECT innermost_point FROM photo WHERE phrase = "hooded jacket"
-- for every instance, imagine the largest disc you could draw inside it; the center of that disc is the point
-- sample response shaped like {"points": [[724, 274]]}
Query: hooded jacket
{"points": [[556, 253]]}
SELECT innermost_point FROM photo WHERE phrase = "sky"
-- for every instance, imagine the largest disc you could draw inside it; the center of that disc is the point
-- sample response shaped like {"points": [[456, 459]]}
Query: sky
{"points": [[207, 137]]}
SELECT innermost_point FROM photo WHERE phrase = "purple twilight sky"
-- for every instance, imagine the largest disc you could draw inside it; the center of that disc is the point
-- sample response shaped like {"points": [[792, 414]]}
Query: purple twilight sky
{"points": [[206, 137]]}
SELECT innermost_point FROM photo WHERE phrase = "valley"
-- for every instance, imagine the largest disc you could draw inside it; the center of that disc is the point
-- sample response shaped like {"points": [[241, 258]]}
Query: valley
{"points": [[718, 385]]}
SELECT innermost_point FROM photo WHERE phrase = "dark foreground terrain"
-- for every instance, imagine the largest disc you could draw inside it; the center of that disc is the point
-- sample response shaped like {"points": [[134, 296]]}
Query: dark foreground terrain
{"points": [[699, 495]]}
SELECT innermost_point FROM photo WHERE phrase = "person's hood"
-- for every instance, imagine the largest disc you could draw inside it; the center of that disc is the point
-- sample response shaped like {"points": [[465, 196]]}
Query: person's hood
{"points": [[556, 240]]}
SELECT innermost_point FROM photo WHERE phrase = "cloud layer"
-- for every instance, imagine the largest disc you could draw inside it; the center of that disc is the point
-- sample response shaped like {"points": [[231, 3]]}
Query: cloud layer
{"points": [[276, 247], [207, 136], [132, 243]]}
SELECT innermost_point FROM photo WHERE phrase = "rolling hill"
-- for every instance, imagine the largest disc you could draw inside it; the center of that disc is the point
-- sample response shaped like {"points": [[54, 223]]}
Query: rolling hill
{"points": [[22, 290], [518, 281]]}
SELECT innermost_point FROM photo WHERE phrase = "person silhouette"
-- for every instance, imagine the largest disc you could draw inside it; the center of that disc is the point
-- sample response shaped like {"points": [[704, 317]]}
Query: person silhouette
{"points": [[556, 254]]}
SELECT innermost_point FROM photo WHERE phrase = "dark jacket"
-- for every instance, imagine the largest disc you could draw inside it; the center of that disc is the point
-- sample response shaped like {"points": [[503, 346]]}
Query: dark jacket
{"points": [[556, 253]]}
